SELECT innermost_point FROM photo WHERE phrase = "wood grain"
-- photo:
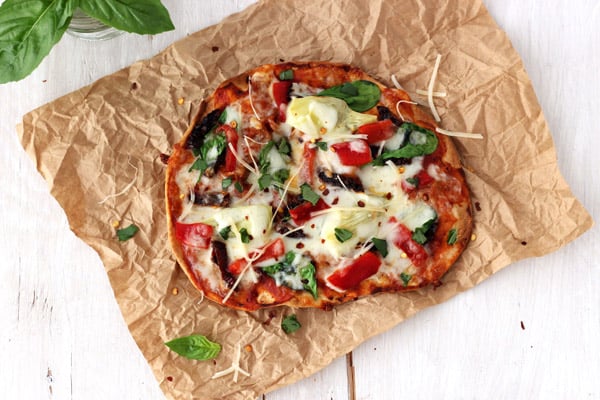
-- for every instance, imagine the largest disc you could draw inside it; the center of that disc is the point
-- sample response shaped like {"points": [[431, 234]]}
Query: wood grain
{"points": [[64, 338]]}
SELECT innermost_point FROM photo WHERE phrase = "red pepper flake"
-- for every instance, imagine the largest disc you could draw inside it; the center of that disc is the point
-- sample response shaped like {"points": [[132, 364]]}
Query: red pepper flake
{"points": [[322, 241], [522, 325], [361, 203], [45, 80], [335, 201], [388, 196], [325, 192], [164, 158], [477, 206], [170, 378], [312, 226], [524, 243], [215, 49], [300, 245], [134, 86]]}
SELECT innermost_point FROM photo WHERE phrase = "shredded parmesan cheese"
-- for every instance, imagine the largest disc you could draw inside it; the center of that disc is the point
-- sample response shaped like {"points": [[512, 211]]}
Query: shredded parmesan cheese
{"points": [[235, 368], [250, 152], [398, 107], [430, 88], [250, 98], [244, 163], [396, 83], [459, 134], [434, 94]]}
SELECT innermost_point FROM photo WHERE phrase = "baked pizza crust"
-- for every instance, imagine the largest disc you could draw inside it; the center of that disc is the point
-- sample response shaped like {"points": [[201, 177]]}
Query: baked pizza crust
{"points": [[265, 293]]}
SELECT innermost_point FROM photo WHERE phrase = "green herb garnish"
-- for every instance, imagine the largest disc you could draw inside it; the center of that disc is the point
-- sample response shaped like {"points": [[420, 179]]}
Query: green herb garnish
{"points": [[226, 183], [420, 142], [452, 236], [420, 234], [244, 235], [290, 324], [238, 186], [224, 233], [31, 28], [359, 95], [322, 145], [127, 233], [283, 147], [308, 194], [286, 75], [342, 234], [381, 246], [309, 280], [405, 278], [264, 181], [195, 347]]}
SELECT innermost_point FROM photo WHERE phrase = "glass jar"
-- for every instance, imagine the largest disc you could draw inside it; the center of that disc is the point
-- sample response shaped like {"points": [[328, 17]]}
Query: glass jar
{"points": [[85, 27]]}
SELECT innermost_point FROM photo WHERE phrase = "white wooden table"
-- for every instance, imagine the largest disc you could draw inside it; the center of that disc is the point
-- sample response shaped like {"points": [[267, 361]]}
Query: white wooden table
{"points": [[531, 331]]}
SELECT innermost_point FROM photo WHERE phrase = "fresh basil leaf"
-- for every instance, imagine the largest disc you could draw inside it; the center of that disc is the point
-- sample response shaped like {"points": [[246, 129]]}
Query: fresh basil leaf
{"points": [[290, 324], [308, 194], [283, 147], [359, 95], [28, 31], [127, 233], [195, 347], [264, 181], [413, 181], [342, 234], [263, 157], [280, 176], [452, 236], [420, 234], [420, 142], [223, 117], [136, 16], [213, 146], [381, 246], [224, 233], [226, 183], [199, 165], [244, 235], [238, 186], [322, 145], [286, 75], [405, 278], [289, 258], [308, 274]]}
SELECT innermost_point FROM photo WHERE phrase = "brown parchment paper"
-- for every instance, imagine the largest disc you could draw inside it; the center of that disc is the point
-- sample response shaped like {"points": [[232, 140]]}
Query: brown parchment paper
{"points": [[95, 142]]}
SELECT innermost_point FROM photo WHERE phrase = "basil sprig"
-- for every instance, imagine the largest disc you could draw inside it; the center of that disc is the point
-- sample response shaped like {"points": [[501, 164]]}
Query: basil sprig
{"points": [[420, 142], [195, 347], [359, 95], [29, 29]]}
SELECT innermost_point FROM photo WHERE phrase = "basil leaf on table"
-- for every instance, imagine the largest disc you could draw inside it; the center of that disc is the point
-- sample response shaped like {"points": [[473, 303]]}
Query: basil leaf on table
{"points": [[28, 30], [136, 16], [359, 95], [195, 347], [127, 233]]}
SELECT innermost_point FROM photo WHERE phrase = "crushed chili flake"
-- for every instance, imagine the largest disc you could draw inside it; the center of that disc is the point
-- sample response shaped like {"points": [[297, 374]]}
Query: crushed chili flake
{"points": [[522, 325], [335, 201], [164, 158], [175, 291], [215, 49], [524, 243], [170, 378], [388, 196], [477, 206], [361, 203], [300, 245], [134, 86], [325, 192], [248, 348], [180, 100]]}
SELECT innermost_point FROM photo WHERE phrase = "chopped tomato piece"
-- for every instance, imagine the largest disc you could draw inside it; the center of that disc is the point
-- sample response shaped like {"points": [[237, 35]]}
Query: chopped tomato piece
{"points": [[377, 131], [353, 153], [232, 138], [403, 240], [194, 235], [273, 249], [281, 95], [278, 294], [308, 163], [357, 271], [302, 213]]}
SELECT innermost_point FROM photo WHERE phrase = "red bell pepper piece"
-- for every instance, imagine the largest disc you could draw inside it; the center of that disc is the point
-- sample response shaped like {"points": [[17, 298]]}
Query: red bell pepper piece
{"points": [[194, 235], [273, 249], [302, 213], [422, 179], [232, 138], [403, 240], [377, 131], [353, 153], [356, 272], [281, 95]]}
